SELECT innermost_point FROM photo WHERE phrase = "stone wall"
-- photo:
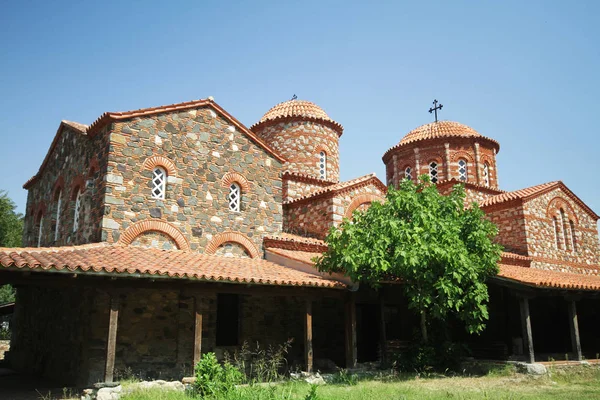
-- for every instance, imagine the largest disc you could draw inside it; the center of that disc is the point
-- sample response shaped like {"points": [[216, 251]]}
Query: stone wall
{"points": [[293, 189], [75, 162], [300, 143], [512, 230], [202, 153], [542, 241]]}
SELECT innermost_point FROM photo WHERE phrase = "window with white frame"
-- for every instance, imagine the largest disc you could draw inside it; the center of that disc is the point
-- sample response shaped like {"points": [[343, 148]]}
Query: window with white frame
{"points": [[323, 165], [159, 183], [234, 197], [563, 220], [573, 238], [408, 173], [77, 211], [433, 171], [556, 234], [462, 170], [486, 174], [58, 207], [40, 231]]}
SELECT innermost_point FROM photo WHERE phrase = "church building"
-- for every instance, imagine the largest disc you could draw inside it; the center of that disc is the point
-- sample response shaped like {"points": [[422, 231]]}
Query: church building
{"points": [[155, 235]]}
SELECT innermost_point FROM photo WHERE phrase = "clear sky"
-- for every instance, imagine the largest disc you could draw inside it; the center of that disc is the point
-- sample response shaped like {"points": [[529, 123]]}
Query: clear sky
{"points": [[525, 73]]}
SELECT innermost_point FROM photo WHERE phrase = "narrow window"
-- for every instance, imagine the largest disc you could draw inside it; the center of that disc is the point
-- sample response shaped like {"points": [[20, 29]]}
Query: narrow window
{"points": [[234, 197], [486, 174], [323, 165], [408, 173], [433, 172], [573, 238], [556, 233], [563, 220], [40, 231], [159, 183], [462, 170], [58, 207], [77, 211], [228, 313]]}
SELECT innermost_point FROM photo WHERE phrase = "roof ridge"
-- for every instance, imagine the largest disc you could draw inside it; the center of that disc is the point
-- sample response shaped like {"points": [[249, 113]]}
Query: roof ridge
{"points": [[337, 187]]}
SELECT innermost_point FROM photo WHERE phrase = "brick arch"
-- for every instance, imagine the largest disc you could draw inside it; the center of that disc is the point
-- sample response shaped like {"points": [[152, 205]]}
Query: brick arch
{"points": [[486, 159], [232, 177], [457, 155], [77, 185], [94, 167], [40, 211], [159, 161], [360, 200], [322, 147], [59, 186], [556, 204], [441, 167], [153, 225], [234, 237]]}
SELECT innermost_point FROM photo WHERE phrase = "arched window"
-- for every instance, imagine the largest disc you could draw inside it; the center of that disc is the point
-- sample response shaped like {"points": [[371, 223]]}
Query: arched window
{"points": [[77, 211], [408, 173], [159, 183], [556, 233], [234, 197], [486, 174], [433, 172], [462, 170], [323, 165], [40, 231], [563, 220], [573, 238], [57, 224]]}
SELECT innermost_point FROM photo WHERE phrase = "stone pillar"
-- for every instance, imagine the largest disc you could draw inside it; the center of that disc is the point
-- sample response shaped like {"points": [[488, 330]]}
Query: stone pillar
{"points": [[111, 342], [526, 328], [417, 164], [308, 337], [351, 351], [395, 173], [382, 335], [574, 325], [477, 172], [447, 160], [197, 329], [495, 172]]}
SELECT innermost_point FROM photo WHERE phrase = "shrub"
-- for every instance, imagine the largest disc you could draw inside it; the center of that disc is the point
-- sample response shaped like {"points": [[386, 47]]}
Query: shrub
{"points": [[442, 357], [260, 364], [214, 379]]}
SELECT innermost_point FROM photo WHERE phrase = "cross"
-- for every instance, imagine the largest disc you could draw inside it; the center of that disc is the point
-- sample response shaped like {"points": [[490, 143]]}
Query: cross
{"points": [[435, 108], [294, 97]]}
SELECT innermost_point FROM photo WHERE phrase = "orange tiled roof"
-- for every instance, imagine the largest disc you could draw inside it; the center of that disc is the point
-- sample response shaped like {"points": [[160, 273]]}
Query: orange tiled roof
{"points": [[534, 191], [549, 279], [306, 257], [298, 109], [81, 128], [440, 129], [290, 241], [134, 261], [320, 192]]}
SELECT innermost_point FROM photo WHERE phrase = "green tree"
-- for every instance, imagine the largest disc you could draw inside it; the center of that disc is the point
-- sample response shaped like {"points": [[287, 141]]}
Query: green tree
{"points": [[441, 251], [11, 233]]}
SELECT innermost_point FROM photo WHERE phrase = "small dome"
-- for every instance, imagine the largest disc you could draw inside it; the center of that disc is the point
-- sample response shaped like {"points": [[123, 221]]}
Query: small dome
{"points": [[440, 129], [301, 109]]}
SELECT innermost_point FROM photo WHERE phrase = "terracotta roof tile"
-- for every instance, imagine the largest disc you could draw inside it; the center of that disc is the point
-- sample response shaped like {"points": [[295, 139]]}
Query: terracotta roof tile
{"points": [[549, 279], [306, 257], [517, 194], [294, 242], [81, 128], [297, 109], [339, 187], [440, 129], [130, 260]]}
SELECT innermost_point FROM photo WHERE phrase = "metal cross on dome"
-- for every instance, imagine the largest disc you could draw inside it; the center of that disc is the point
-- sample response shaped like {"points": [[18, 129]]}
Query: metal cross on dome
{"points": [[294, 97], [435, 108]]}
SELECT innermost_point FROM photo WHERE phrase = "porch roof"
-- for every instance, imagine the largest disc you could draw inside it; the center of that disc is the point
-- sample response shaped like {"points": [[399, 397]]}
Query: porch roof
{"points": [[137, 262]]}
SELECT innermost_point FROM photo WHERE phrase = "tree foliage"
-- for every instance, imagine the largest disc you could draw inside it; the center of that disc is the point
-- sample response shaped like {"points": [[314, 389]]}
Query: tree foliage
{"points": [[441, 251], [11, 222]]}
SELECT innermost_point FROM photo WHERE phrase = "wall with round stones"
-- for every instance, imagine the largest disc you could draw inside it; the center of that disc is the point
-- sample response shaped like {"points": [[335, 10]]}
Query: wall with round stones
{"points": [[300, 143], [204, 149]]}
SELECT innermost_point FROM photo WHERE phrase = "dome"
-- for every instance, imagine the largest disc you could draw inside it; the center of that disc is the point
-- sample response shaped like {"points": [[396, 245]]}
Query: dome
{"points": [[441, 129], [300, 109]]}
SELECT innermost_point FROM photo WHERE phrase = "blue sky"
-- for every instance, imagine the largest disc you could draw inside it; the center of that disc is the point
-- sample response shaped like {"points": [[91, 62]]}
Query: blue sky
{"points": [[523, 73]]}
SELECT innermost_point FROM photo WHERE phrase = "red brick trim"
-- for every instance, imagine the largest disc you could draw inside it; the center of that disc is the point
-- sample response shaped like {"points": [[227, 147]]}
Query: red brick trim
{"points": [[457, 155], [298, 177], [359, 200], [234, 237], [549, 221], [94, 167], [322, 147], [556, 204], [153, 225], [483, 158], [40, 211], [59, 185], [77, 185], [159, 161], [232, 177]]}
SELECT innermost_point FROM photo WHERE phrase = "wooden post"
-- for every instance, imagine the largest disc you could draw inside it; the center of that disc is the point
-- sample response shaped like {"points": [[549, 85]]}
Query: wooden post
{"points": [[111, 342], [574, 325], [308, 337], [526, 327], [197, 330], [382, 336], [351, 356]]}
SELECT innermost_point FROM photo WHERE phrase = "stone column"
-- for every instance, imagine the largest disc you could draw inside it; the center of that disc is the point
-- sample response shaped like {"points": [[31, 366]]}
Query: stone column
{"points": [[417, 163], [308, 337], [197, 329], [495, 172], [351, 351], [395, 174], [477, 172], [382, 335], [574, 325], [111, 342], [526, 328], [447, 160]]}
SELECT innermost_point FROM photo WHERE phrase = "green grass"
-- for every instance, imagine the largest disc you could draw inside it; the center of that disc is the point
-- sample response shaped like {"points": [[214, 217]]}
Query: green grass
{"points": [[572, 383]]}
